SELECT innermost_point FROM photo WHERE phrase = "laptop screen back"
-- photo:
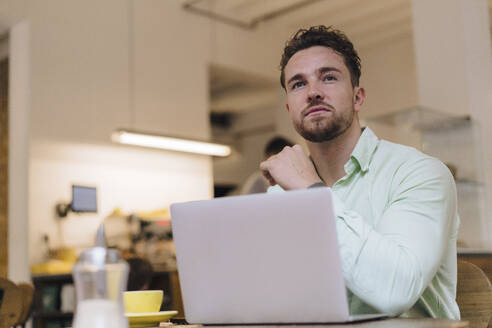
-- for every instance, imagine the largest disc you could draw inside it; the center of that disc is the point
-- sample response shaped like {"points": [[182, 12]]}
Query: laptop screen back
{"points": [[263, 258]]}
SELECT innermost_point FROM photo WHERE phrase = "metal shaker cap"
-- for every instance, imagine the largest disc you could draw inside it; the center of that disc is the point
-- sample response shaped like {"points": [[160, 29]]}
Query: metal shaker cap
{"points": [[100, 255]]}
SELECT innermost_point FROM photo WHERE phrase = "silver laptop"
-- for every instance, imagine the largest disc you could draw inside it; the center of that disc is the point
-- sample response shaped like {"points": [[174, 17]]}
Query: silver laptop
{"points": [[262, 258]]}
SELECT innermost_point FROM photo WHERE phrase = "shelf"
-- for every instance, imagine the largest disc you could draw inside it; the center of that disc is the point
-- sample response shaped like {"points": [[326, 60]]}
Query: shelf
{"points": [[421, 118], [53, 315], [455, 140], [52, 278], [470, 183], [474, 251]]}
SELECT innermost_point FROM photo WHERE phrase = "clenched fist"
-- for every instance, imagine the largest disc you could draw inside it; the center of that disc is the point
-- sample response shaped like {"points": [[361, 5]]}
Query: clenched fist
{"points": [[290, 169]]}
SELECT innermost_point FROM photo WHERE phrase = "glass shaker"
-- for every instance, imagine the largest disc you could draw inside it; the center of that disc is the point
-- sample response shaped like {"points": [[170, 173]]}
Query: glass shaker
{"points": [[100, 277]]}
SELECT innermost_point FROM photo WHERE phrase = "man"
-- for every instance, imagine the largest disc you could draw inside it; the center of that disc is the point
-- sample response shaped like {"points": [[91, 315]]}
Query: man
{"points": [[395, 207]]}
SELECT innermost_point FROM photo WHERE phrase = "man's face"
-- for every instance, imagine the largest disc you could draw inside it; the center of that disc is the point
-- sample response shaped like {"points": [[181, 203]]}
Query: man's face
{"points": [[320, 98]]}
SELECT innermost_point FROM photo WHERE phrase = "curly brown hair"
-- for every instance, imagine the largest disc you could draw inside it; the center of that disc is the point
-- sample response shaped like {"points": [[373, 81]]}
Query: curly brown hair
{"points": [[327, 37]]}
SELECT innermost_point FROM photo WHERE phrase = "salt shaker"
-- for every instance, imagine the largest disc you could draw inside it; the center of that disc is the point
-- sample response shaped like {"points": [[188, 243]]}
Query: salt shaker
{"points": [[100, 277]]}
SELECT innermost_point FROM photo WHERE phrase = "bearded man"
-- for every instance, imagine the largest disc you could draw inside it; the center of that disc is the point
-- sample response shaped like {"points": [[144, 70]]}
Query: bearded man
{"points": [[395, 207]]}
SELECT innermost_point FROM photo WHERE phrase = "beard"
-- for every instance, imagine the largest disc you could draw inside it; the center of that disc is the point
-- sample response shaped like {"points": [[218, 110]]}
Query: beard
{"points": [[320, 129]]}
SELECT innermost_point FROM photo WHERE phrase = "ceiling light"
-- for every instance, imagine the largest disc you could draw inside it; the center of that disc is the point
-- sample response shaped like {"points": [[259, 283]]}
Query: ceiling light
{"points": [[170, 143], [132, 137]]}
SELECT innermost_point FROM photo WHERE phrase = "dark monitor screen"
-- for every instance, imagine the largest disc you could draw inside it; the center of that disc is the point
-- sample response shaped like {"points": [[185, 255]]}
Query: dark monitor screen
{"points": [[84, 199]]}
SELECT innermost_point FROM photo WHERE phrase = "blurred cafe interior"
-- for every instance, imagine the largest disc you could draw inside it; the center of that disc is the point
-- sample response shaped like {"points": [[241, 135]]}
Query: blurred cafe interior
{"points": [[75, 73]]}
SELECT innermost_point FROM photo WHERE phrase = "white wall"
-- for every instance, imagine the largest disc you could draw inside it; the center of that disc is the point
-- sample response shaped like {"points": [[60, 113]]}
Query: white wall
{"points": [[171, 69], [389, 76], [80, 73], [455, 77], [90, 76], [439, 47], [126, 177], [470, 193]]}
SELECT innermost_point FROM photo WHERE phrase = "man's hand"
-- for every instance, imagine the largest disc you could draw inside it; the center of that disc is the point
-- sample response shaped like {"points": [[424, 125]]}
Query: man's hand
{"points": [[291, 169]]}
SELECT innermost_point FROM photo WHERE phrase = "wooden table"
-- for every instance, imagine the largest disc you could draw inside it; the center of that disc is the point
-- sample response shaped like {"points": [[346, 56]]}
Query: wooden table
{"points": [[383, 323]]}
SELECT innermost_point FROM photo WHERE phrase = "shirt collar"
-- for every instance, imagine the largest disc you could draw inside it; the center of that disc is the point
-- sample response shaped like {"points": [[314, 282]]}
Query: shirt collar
{"points": [[363, 151]]}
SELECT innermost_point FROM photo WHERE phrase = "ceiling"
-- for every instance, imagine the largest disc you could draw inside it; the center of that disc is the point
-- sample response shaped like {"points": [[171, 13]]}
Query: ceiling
{"points": [[240, 92], [382, 19], [366, 22]]}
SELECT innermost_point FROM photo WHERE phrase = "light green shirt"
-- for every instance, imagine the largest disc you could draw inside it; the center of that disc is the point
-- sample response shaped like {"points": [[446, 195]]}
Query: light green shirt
{"points": [[397, 226]]}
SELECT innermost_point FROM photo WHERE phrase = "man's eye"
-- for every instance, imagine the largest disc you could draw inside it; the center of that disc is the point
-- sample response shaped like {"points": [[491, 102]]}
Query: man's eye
{"points": [[329, 78], [297, 85]]}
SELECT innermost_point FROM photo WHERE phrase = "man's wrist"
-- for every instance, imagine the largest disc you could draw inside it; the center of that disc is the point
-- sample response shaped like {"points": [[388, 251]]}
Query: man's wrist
{"points": [[317, 184]]}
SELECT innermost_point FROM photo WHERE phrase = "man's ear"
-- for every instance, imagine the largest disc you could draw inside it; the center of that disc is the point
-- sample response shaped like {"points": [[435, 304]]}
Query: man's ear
{"points": [[287, 107], [359, 98]]}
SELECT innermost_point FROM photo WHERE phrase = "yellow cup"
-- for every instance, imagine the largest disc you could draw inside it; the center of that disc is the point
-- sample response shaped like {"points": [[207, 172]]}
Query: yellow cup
{"points": [[143, 301]]}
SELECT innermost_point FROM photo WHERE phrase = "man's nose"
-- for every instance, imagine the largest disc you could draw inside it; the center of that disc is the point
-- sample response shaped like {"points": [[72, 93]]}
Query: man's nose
{"points": [[314, 94]]}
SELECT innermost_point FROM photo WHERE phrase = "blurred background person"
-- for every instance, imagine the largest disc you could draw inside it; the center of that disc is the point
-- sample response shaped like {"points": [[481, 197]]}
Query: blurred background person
{"points": [[256, 183], [140, 274]]}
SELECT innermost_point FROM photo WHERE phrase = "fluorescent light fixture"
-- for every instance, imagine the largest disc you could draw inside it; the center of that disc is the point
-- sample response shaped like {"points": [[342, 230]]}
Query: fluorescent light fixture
{"points": [[170, 143]]}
